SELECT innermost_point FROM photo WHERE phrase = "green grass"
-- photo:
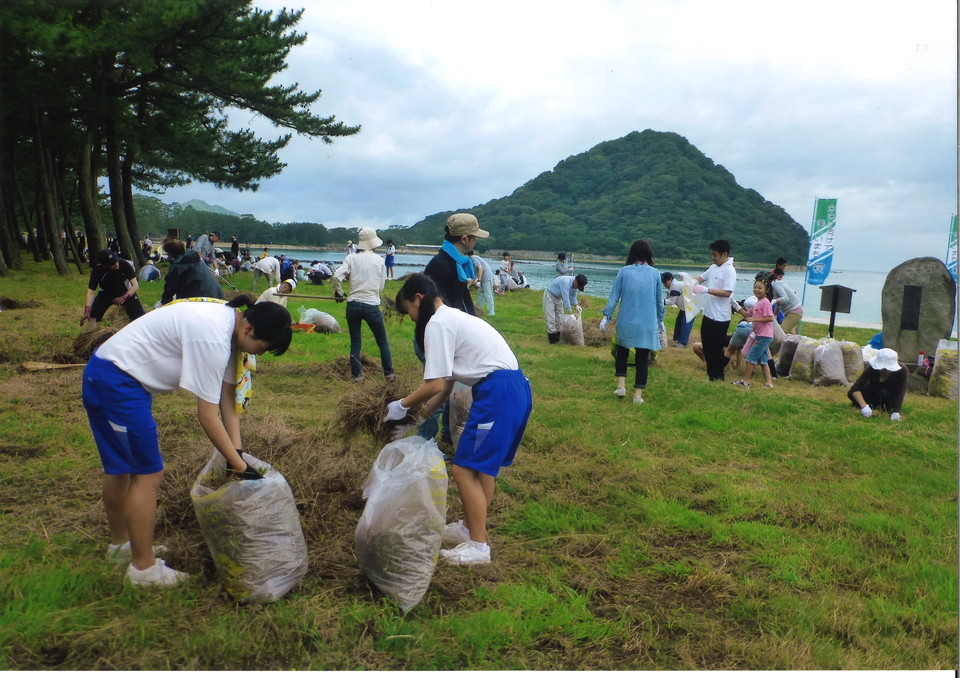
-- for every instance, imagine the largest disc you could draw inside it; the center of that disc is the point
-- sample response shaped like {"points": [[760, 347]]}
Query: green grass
{"points": [[709, 528]]}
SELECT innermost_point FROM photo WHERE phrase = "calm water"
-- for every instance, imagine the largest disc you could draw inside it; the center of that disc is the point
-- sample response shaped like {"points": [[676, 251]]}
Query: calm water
{"points": [[864, 312]]}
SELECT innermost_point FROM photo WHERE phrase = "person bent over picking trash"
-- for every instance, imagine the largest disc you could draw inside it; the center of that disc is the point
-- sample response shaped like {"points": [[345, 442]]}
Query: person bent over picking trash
{"points": [[461, 347], [192, 345], [881, 385]]}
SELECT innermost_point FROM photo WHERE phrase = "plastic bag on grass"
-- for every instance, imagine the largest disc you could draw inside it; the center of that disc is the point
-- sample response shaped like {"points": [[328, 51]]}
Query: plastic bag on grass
{"points": [[778, 336], [571, 329], [788, 348], [943, 379], [828, 369], [852, 360], [324, 322], [802, 366], [397, 540], [252, 528]]}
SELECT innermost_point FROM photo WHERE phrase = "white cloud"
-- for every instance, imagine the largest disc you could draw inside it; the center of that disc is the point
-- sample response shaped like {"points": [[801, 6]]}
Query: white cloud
{"points": [[461, 104]]}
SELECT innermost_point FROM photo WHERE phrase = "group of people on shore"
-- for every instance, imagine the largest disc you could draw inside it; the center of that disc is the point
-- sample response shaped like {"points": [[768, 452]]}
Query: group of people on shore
{"points": [[202, 346]]}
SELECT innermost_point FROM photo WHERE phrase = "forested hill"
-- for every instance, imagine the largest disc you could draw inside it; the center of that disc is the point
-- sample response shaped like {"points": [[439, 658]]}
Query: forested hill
{"points": [[651, 185]]}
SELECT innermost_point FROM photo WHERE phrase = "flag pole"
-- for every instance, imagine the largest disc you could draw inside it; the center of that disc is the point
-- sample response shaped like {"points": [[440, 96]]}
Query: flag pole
{"points": [[806, 271]]}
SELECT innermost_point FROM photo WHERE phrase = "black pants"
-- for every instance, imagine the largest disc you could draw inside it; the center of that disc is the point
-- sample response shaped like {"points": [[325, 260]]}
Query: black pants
{"points": [[643, 361], [713, 335], [877, 398], [102, 302]]}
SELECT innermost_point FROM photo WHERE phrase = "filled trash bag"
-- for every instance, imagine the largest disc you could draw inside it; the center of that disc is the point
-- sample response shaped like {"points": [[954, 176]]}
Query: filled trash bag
{"points": [[828, 369], [802, 366], [324, 322], [852, 360], [943, 379], [252, 528], [397, 540], [788, 348], [571, 329]]}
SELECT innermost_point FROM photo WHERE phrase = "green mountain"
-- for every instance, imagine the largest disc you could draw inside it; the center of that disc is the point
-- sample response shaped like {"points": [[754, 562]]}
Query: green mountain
{"points": [[651, 185], [201, 206]]}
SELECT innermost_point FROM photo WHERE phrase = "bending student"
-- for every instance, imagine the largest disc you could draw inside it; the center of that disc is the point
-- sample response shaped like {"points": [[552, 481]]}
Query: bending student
{"points": [[193, 346], [461, 347]]}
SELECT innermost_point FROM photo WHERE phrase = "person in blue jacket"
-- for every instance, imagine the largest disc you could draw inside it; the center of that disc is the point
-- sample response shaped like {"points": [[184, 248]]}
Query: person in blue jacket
{"points": [[639, 292], [560, 297]]}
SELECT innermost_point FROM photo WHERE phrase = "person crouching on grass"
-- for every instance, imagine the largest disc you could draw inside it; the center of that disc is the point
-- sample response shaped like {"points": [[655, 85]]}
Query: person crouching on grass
{"points": [[191, 345], [461, 347]]}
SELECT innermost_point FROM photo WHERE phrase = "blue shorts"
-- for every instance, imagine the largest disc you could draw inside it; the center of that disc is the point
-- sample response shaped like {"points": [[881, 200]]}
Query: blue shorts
{"points": [[498, 417], [121, 418], [758, 353], [740, 334]]}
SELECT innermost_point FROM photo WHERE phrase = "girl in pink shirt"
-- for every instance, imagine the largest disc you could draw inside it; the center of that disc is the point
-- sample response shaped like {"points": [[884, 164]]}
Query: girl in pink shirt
{"points": [[761, 315]]}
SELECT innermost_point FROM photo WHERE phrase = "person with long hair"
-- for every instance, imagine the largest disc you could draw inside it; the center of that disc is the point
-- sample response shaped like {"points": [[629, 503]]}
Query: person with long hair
{"points": [[460, 347], [762, 319], [191, 345], [639, 292]]}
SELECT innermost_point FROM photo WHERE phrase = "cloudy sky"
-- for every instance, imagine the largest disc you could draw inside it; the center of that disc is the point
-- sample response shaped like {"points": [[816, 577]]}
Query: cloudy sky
{"points": [[461, 103]]}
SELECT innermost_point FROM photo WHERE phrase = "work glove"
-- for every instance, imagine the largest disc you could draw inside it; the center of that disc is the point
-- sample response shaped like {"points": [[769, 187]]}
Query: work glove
{"points": [[248, 473], [121, 300], [699, 289], [86, 315], [603, 324], [895, 416], [866, 411], [339, 296], [663, 328], [216, 272], [578, 308], [395, 411]]}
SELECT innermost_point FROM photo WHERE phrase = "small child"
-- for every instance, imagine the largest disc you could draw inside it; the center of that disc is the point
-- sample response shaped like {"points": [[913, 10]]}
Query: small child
{"points": [[761, 315]]}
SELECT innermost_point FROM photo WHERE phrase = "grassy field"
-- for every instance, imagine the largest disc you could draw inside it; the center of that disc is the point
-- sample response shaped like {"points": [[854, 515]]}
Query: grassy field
{"points": [[708, 528]]}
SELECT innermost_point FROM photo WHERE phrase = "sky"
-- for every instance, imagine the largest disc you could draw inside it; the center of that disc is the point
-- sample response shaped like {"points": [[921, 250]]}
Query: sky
{"points": [[462, 103]]}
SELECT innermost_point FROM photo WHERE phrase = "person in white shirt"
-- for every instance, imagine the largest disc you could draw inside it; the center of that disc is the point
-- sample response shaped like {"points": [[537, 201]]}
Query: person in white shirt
{"points": [[461, 347], [368, 275], [266, 267], [274, 294], [717, 282], [186, 344]]}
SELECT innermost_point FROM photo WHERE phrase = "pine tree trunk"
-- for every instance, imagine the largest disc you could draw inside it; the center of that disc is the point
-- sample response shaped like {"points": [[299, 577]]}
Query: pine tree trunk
{"points": [[9, 229], [115, 182], [126, 176], [71, 238], [48, 211], [89, 207]]}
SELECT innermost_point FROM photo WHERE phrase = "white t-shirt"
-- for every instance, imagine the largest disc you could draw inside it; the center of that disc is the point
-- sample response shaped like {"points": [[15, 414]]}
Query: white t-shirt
{"points": [[722, 277], [268, 264], [463, 348], [368, 275], [270, 294], [185, 345]]}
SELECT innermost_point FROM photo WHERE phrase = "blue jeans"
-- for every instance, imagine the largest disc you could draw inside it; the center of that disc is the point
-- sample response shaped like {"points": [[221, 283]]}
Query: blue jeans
{"points": [[357, 311]]}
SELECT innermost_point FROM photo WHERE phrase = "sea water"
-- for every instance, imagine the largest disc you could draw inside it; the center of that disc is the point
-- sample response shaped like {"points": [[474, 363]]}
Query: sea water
{"points": [[864, 308]]}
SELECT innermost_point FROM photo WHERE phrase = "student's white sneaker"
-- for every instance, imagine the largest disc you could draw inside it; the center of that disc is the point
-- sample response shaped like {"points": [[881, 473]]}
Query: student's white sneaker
{"points": [[467, 553], [159, 574], [120, 553], [620, 392], [455, 533]]}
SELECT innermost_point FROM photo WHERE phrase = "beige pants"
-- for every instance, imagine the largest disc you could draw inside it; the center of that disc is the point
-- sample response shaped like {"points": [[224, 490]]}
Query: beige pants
{"points": [[790, 322], [553, 312]]}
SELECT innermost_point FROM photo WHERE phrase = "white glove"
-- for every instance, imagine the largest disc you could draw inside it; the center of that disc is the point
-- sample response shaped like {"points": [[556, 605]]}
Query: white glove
{"points": [[866, 411], [895, 416], [396, 411], [699, 289], [663, 328], [603, 324], [579, 309], [216, 272]]}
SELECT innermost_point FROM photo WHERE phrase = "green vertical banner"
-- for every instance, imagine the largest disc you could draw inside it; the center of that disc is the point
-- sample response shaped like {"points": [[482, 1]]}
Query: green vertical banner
{"points": [[821, 240], [952, 248]]}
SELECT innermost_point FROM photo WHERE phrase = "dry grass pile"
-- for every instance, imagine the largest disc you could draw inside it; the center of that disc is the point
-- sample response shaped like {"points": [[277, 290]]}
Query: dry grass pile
{"points": [[8, 304], [327, 483], [362, 408], [592, 336], [88, 342]]}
